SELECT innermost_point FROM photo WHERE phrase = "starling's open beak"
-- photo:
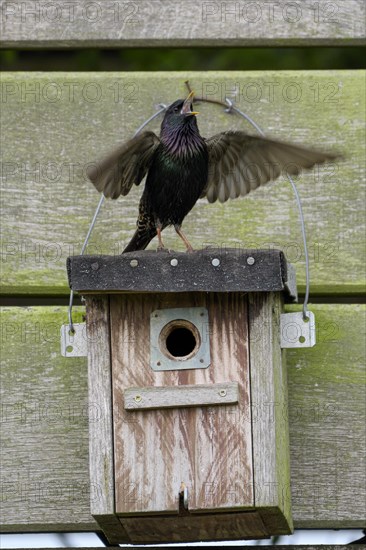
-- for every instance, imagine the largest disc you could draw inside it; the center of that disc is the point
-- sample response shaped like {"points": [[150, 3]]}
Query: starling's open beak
{"points": [[187, 106]]}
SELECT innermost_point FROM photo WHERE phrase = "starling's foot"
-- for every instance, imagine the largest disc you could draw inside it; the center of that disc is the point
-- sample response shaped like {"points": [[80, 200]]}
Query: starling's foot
{"points": [[161, 248], [184, 238], [189, 249]]}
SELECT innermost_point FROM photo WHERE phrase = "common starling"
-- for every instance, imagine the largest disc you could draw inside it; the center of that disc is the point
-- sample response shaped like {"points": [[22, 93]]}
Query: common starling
{"points": [[182, 166]]}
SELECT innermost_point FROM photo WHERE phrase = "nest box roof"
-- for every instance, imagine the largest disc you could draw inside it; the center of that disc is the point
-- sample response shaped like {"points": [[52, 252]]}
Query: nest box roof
{"points": [[208, 270]]}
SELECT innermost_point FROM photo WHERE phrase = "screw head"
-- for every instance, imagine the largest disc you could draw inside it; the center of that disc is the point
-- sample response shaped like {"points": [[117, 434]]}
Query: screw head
{"points": [[174, 262], [250, 260], [138, 398], [222, 393], [215, 262], [134, 263], [95, 266]]}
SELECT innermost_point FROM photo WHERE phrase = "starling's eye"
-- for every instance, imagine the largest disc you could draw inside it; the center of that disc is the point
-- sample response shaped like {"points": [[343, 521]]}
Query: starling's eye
{"points": [[176, 109]]}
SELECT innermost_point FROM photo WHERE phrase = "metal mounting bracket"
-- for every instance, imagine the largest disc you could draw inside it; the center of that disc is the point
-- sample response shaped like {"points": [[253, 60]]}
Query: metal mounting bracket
{"points": [[296, 332], [194, 320], [74, 344]]}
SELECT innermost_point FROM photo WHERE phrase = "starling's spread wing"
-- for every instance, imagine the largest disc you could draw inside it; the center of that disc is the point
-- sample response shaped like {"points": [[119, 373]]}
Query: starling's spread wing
{"points": [[127, 165], [239, 163]]}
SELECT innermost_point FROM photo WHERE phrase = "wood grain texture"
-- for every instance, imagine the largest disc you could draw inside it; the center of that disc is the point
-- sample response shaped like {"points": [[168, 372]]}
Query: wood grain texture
{"points": [[44, 424], [102, 494], [146, 23], [147, 476], [100, 397], [205, 448], [62, 122], [270, 418], [224, 472], [327, 418], [101, 452]]}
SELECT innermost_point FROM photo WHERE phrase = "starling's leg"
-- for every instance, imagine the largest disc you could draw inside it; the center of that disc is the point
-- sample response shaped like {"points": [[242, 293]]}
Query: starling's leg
{"points": [[158, 231], [184, 238]]}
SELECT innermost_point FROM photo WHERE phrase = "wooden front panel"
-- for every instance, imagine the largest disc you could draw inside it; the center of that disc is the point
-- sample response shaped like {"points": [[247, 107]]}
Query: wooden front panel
{"points": [[207, 448]]}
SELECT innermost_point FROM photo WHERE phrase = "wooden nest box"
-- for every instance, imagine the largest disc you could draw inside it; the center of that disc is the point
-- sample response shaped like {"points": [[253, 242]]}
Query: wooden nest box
{"points": [[187, 388]]}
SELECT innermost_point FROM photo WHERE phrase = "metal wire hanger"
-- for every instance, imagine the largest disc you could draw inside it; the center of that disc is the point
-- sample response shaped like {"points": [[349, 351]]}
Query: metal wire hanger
{"points": [[229, 107]]}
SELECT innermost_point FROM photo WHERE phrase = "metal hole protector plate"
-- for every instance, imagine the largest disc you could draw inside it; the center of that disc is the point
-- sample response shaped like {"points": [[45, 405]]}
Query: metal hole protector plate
{"points": [[295, 332], [74, 344], [198, 316]]}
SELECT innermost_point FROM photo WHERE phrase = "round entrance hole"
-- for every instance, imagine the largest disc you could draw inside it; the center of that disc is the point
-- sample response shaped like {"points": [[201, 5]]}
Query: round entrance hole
{"points": [[179, 340]]}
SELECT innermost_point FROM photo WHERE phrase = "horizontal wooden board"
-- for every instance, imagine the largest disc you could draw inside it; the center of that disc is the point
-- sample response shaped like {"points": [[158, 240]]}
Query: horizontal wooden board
{"points": [[326, 428], [180, 396], [44, 425], [45, 414], [107, 23], [55, 124]]}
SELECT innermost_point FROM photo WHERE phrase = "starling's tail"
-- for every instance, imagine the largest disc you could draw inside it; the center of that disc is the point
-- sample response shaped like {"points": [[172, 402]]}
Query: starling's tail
{"points": [[140, 240]]}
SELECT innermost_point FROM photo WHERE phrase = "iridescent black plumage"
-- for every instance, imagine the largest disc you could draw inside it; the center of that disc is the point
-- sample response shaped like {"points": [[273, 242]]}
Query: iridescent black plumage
{"points": [[182, 166], [176, 177]]}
